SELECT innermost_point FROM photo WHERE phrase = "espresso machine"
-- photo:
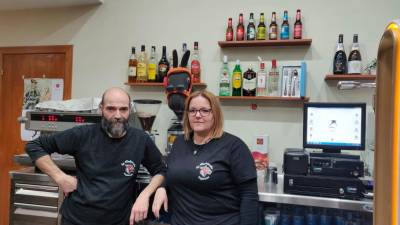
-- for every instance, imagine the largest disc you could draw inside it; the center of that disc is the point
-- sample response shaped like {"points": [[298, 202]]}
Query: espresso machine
{"points": [[146, 111]]}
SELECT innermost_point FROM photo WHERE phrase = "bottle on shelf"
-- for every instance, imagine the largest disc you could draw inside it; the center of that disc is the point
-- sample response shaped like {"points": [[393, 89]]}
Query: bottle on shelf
{"points": [[273, 28], [261, 80], [163, 65], [184, 48], [141, 71], [229, 31], [355, 57], [251, 28], [285, 26], [298, 26], [195, 65], [225, 79], [249, 82], [340, 59], [132, 66], [261, 29], [237, 80], [273, 80], [152, 66], [240, 29]]}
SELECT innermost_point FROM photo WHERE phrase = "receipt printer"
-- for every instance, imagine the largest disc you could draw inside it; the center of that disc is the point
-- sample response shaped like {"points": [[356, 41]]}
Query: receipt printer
{"points": [[295, 161]]}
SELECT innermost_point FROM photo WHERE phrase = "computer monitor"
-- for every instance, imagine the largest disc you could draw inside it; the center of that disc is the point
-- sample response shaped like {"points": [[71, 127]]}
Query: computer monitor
{"points": [[334, 126]]}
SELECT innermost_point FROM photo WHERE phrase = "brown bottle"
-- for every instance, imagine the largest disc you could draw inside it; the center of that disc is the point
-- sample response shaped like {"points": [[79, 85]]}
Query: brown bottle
{"points": [[240, 29], [298, 26], [132, 66], [273, 28], [229, 31]]}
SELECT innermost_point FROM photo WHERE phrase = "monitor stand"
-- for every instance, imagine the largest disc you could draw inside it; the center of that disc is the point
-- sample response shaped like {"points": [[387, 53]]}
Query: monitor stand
{"points": [[333, 153]]}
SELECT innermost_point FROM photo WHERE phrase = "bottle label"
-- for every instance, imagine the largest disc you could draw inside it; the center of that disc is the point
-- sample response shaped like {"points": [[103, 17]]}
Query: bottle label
{"points": [[229, 36], [195, 68], [249, 84], [261, 33], [237, 80], [273, 33], [141, 69], [354, 67], [132, 71], [239, 34], [261, 78], [152, 71], [251, 34], [162, 68], [297, 31], [285, 32]]}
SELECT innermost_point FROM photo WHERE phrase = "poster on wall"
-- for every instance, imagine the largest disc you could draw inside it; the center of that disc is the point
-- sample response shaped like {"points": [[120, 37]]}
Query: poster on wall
{"points": [[39, 90]]}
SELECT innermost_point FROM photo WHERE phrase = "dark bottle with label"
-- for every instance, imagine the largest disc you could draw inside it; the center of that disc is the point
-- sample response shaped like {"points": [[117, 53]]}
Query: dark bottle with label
{"points": [[355, 57], [249, 82], [340, 59], [132, 66], [251, 28], [163, 65], [285, 26], [273, 28], [240, 29], [229, 31], [298, 26], [261, 29]]}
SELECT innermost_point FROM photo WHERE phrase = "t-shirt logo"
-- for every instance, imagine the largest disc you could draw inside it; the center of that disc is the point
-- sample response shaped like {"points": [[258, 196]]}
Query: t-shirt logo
{"points": [[129, 167], [205, 170]]}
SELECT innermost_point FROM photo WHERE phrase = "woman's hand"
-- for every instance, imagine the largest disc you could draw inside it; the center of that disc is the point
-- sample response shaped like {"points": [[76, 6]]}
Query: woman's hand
{"points": [[139, 209], [160, 199]]}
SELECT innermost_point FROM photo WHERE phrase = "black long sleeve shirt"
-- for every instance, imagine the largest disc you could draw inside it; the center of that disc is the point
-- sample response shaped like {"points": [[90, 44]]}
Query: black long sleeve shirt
{"points": [[106, 171], [212, 184]]}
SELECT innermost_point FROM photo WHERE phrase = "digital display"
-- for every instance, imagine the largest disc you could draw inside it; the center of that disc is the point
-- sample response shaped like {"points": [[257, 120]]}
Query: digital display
{"points": [[334, 126], [66, 118]]}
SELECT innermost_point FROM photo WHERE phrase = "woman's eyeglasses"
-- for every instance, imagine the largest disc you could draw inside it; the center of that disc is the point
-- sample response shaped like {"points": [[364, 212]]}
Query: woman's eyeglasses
{"points": [[202, 111]]}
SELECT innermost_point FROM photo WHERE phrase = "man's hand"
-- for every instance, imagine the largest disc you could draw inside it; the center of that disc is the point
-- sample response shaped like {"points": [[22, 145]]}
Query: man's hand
{"points": [[67, 184], [160, 199], [139, 209]]}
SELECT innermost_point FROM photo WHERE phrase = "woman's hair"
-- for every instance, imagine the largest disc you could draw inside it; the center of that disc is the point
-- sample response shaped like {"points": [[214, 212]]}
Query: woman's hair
{"points": [[217, 128]]}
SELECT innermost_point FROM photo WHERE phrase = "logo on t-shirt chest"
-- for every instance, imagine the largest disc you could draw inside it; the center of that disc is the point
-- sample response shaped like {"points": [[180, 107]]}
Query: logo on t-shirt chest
{"points": [[128, 167], [205, 170]]}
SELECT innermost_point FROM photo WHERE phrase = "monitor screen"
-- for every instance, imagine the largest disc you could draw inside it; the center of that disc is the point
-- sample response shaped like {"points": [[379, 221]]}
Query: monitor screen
{"points": [[334, 126]]}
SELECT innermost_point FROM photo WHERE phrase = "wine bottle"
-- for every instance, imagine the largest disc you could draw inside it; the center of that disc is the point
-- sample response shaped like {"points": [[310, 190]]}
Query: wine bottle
{"points": [[132, 66], [229, 31], [240, 29], [249, 82], [237, 80], [195, 65], [340, 59], [285, 26], [225, 79], [355, 57], [261, 28], [251, 28], [142, 65], [298, 26], [163, 65], [273, 28]]}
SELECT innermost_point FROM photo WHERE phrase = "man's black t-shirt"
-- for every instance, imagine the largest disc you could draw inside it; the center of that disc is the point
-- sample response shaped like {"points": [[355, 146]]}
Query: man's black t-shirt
{"points": [[203, 180], [106, 171]]}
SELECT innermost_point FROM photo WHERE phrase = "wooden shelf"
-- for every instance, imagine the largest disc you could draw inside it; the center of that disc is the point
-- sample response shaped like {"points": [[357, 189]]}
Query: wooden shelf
{"points": [[266, 99], [154, 84], [258, 43], [360, 77]]}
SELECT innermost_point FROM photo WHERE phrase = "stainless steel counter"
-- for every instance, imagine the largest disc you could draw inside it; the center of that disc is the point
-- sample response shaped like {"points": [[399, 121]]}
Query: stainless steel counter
{"points": [[274, 194]]}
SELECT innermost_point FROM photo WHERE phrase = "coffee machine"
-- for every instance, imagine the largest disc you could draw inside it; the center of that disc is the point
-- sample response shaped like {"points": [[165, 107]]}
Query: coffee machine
{"points": [[146, 111]]}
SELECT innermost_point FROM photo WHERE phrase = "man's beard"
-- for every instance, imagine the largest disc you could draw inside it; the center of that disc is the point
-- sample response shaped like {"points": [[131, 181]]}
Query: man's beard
{"points": [[115, 128]]}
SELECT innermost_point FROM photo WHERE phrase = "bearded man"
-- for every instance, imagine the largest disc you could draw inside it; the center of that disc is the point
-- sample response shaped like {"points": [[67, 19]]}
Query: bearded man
{"points": [[107, 156]]}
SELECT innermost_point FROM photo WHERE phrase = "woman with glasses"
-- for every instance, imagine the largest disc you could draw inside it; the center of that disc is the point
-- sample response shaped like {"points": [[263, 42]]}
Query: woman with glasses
{"points": [[211, 176]]}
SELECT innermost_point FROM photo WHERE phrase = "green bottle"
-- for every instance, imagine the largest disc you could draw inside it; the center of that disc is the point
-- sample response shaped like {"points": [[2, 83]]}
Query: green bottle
{"points": [[237, 80], [225, 79]]}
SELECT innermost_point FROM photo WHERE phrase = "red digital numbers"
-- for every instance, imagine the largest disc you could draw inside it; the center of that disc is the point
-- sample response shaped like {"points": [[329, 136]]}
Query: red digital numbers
{"points": [[79, 119], [52, 118]]}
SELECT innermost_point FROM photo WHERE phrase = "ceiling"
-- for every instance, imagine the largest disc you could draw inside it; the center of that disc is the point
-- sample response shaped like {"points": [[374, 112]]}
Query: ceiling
{"points": [[40, 4]]}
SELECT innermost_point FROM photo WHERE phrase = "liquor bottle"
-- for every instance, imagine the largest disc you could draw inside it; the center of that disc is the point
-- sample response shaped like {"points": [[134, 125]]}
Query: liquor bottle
{"points": [[237, 80], [273, 28], [261, 28], [132, 66], [229, 31], [184, 48], [141, 71], [261, 81], [298, 26], [240, 29], [355, 57], [195, 65], [249, 82], [152, 66], [273, 80], [340, 59], [163, 65], [225, 79], [251, 28], [285, 26]]}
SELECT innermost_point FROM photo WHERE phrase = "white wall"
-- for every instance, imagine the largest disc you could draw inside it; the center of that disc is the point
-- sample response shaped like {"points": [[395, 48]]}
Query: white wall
{"points": [[102, 37]]}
